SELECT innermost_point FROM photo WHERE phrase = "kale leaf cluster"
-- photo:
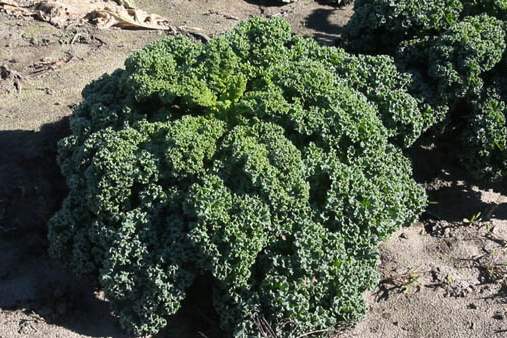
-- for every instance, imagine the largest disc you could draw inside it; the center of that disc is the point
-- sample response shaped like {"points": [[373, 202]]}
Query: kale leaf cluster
{"points": [[262, 160], [456, 49]]}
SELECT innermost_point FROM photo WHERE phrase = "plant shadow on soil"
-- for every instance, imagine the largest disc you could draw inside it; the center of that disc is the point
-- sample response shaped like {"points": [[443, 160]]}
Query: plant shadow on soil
{"points": [[31, 190], [326, 30], [322, 20], [453, 195]]}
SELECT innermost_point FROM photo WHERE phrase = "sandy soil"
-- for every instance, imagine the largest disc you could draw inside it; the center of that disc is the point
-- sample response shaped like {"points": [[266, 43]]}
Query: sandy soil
{"points": [[443, 277]]}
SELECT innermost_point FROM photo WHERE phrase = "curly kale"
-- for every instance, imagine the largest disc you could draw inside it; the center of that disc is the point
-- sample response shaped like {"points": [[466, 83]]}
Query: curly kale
{"points": [[401, 101], [467, 50], [379, 26], [456, 52], [486, 139], [259, 159]]}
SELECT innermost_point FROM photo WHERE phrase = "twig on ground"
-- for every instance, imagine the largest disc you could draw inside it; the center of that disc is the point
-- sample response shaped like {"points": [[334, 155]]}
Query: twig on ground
{"points": [[314, 332], [44, 66], [401, 283], [225, 15], [195, 31]]}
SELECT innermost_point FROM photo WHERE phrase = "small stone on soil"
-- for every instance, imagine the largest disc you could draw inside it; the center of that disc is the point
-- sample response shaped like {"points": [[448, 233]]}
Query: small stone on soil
{"points": [[499, 315]]}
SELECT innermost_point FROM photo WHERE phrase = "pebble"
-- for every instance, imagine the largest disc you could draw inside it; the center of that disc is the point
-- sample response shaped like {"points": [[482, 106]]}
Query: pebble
{"points": [[447, 232], [499, 315]]}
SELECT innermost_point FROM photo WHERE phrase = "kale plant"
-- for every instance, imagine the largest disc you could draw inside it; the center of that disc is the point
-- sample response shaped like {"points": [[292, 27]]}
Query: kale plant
{"points": [[456, 51], [259, 160]]}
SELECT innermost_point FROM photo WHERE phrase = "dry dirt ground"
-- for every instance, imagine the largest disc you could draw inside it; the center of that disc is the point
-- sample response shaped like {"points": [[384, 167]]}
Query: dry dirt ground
{"points": [[444, 277]]}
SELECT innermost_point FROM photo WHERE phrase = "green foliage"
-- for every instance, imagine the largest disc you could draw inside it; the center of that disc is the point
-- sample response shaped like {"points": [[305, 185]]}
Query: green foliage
{"points": [[456, 51], [400, 100], [486, 139], [497, 8], [380, 25], [460, 55], [260, 159]]}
